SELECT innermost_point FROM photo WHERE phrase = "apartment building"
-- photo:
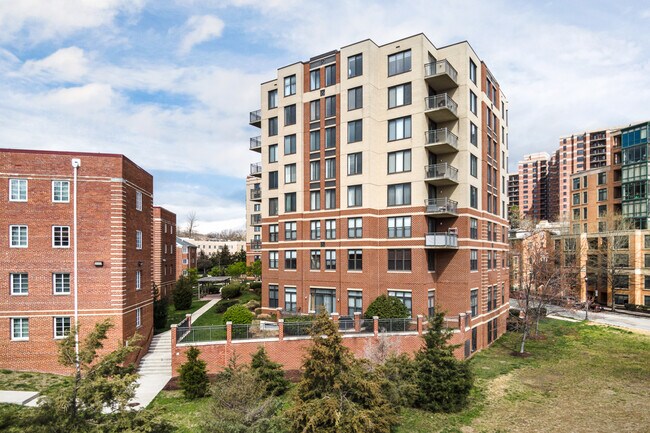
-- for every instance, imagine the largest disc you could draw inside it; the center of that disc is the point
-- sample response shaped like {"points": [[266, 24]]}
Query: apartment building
{"points": [[186, 257], [253, 210], [383, 171], [164, 250], [114, 209], [530, 185], [513, 190]]}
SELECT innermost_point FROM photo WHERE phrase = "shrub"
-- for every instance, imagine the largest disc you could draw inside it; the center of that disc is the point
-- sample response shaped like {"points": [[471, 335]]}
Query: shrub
{"points": [[238, 315], [268, 372], [221, 306], [387, 307], [183, 294], [256, 287], [634, 307], [231, 291], [193, 375]]}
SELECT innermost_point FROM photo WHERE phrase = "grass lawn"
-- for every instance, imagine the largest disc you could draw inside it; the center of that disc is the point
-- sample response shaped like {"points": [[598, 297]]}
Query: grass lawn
{"points": [[25, 381], [174, 316], [580, 378], [211, 317]]}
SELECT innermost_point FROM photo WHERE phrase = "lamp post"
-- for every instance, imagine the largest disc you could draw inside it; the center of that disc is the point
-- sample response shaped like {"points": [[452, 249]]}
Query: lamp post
{"points": [[76, 163]]}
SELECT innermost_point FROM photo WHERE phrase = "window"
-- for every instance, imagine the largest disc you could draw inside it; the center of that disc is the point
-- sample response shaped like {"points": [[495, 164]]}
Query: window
{"points": [[330, 168], [399, 129], [290, 202], [646, 241], [314, 232], [602, 178], [489, 260], [290, 260], [576, 198], [355, 260], [355, 98], [60, 237], [473, 134], [355, 66], [314, 110], [273, 126], [273, 206], [473, 260], [399, 195], [399, 162], [473, 228], [273, 153], [576, 183], [314, 79], [314, 171], [19, 328], [473, 302], [138, 280], [273, 180], [314, 141], [354, 163], [355, 228], [19, 284], [290, 299], [472, 71], [273, 98], [403, 296], [314, 200], [17, 189], [399, 260], [138, 317], [273, 233], [61, 191], [355, 302], [473, 165], [290, 173], [646, 259], [138, 200], [602, 194], [330, 75], [61, 327], [61, 283], [273, 296], [18, 236], [399, 95], [273, 259], [290, 115], [330, 106], [399, 63], [354, 196], [290, 85], [290, 231], [473, 197], [138, 239], [431, 303], [330, 229], [330, 199], [330, 260], [399, 227], [330, 137], [492, 330], [355, 131], [314, 259], [290, 144], [473, 103]]}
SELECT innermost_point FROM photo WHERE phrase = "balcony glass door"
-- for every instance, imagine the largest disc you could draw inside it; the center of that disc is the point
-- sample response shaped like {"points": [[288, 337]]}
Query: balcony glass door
{"points": [[325, 298]]}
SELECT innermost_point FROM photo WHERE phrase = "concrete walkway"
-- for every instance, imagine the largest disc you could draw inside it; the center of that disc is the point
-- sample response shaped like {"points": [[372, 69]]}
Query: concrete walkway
{"points": [[25, 398], [155, 368]]}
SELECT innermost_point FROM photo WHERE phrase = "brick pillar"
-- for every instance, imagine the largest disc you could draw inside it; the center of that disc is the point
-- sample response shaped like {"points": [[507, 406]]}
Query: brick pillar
{"points": [[375, 325], [278, 313], [420, 319], [461, 322], [468, 313], [281, 329], [173, 345], [357, 322], [189, 320], [228, 332], [335, 317]]}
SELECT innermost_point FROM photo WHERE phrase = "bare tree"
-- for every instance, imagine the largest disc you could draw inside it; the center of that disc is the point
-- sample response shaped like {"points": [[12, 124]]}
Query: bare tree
{"points": [[229, 235], [191, 223]]}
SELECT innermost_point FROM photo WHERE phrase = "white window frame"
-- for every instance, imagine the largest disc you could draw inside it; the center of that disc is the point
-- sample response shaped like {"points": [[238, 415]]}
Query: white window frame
{"points": [[138, 317], [400, 294], [19, 227], [399, 161], [138, 279], [138, 239], [18, 183], [59, 184], [55, 286], [138, 200], [17, 277], [54, 236], [22, 336], [55, 326]]}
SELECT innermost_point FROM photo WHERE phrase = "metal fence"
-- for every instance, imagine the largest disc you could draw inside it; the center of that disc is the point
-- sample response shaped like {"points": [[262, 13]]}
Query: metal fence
{"points": [[397, 325], [200, 333], [297, 328]]}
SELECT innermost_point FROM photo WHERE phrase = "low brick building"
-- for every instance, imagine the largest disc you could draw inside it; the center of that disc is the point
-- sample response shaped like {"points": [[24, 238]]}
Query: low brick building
{"points": [[185, 257], [114, 213], [164, 250]]}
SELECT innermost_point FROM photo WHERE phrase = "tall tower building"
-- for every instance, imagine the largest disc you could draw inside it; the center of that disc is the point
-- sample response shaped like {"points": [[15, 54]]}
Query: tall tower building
{"points": [[383, 172], [531, 182]]}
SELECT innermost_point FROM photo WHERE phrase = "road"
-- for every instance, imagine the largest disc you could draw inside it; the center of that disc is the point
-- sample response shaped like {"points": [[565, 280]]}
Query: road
{"points": [[605, 317]]}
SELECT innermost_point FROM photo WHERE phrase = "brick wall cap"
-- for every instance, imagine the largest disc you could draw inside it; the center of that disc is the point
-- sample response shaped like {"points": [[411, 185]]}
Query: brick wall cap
{"points": [[375, 317], [228, 323], [280, 320], [174, 325]]}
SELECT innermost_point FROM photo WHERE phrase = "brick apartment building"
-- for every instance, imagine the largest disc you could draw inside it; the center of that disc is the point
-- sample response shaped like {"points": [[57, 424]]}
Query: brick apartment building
{"points": [[115, 209], [164, 250], [383, 171], [528, 188], [186, 257]]}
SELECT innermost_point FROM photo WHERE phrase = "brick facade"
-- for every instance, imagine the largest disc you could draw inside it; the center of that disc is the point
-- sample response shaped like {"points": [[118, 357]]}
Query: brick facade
{"points": [[164, 250]]}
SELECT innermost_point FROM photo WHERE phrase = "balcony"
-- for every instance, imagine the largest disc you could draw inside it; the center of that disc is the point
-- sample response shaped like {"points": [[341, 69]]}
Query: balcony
{"points": [[256, 144], [441, 174], [441, 240], [256, 194], [441, 207], [441, 108], [256, 219], [441, 141], [256, 245], [441, 75], [256, 118], [256, 169]]}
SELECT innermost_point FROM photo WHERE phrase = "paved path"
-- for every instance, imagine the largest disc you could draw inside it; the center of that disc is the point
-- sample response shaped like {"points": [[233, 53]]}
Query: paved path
{"points": [[25, 398], [156, 366]]}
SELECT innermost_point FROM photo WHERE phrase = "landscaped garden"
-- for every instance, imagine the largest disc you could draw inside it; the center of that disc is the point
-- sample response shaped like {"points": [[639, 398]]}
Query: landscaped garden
{"points": [[231, 294]]}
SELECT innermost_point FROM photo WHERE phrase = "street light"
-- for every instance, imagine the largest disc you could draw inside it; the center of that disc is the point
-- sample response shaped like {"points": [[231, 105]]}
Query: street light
{"points": [[76, 163]]}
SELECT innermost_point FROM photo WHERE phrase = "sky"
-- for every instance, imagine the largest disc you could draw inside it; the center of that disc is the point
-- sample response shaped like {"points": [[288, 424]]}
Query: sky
{"points": [[170, 83]]}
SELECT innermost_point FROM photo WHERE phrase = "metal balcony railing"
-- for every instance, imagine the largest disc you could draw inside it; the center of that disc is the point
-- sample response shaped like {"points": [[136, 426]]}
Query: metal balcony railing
{"points": [[256, 168], [439, 68], [442, 205], [256, 245], [441, 240], [437, 102], [442, 171], [256, 219], [256, 194], [255, 116], [441, 136], [256, 143]]}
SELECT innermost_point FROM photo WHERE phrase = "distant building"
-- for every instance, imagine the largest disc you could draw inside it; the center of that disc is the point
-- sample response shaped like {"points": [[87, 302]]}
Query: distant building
{"points": [[253, 217], [186, 257], [209, 247], [164, 250]]}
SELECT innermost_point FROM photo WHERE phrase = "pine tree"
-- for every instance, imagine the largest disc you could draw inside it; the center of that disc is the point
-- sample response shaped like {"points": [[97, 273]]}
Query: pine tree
{"points": [[268, 372], [193, 375]]}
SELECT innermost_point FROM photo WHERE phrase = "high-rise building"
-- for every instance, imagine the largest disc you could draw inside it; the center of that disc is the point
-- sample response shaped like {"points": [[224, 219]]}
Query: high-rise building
{"points": [[383, 172], [114, 199], [635, 176], [530, 185]]}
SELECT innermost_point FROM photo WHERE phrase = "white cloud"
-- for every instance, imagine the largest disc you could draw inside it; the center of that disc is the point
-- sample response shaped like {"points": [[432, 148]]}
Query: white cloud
{"points": [[66, 64], [200, 29]]}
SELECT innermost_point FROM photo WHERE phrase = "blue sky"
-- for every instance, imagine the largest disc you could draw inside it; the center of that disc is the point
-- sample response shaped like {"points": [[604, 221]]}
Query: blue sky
{"points": [[170, 83]]}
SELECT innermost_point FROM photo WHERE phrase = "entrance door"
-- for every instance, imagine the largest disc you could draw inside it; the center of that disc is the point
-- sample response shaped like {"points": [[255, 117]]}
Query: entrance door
{"points": [[325, 298]]}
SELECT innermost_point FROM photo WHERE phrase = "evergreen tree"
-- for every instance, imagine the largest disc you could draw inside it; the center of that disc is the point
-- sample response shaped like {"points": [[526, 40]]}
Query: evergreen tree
{"points": [[183, 294], [443, 382], [160, 309], [268, 372], [193, 375]]}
